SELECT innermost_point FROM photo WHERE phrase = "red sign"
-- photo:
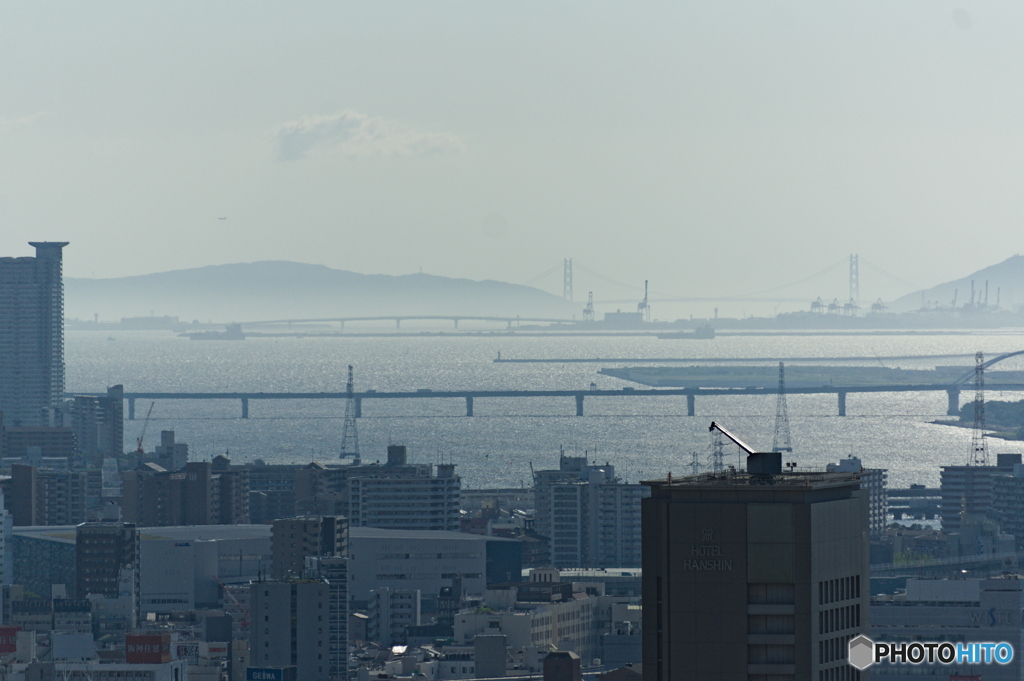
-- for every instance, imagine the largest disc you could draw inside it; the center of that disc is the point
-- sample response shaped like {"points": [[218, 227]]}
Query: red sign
{"points": [[9, 639], [151, 649]]}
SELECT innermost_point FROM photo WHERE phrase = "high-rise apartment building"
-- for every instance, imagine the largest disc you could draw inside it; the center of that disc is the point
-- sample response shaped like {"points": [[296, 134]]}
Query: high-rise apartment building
{"points": [[754, 575], [590, 516], [32, 335], [98, 424], [397, 495], [968, 490]]}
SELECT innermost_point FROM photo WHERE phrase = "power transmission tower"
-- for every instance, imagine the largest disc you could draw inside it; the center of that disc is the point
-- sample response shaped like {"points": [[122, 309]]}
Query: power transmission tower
{"points": [[979, 446], [695, 463], [717, 445], [854, 278], [349, 434], [781, 442], [567, 278]]}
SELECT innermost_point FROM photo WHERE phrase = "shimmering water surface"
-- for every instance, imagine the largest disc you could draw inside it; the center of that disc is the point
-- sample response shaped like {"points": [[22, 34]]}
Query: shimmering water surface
{"points": [[642, 437]]}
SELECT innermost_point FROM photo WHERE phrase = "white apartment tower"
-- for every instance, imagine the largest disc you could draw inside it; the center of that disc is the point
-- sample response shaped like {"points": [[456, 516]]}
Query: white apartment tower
{"points": [[591, 517], [32, 335]]}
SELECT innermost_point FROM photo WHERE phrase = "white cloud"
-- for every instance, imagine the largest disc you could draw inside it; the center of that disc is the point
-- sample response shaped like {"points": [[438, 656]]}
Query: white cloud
{"points": [[7, 124], [351, 133]]}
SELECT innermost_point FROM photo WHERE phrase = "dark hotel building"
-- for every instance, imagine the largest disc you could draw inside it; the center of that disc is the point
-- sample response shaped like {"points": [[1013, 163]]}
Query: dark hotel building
{"points": [[754, 576]]}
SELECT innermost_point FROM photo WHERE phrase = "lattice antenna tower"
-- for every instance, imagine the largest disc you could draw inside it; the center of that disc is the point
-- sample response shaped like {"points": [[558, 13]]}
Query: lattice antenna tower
{"points": [[717, 444], [782, 441], [567, 278], [979, 446], [854, 279], [349, 434]]}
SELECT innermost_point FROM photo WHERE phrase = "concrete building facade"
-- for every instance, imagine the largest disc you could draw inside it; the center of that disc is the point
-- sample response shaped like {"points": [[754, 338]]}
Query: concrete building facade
{"points": [[758, 575], [32, 335], [591, 517], [290, 627]]}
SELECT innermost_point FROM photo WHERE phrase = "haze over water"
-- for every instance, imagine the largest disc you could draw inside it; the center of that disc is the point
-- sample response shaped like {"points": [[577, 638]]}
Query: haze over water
{"points": [[641, 437]]}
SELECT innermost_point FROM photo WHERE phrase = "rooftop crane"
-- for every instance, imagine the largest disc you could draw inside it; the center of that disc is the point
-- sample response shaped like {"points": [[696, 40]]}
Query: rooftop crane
{"points": [[145, 424]]}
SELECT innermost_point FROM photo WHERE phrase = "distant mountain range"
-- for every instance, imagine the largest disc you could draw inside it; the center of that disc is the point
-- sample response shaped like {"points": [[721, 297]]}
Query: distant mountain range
{"points": [[1005, 285], [289, 290]]}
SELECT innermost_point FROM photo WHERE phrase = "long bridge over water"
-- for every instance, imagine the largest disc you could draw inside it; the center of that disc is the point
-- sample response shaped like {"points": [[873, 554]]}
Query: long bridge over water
{"points": [[579, 396], [691, 393]]}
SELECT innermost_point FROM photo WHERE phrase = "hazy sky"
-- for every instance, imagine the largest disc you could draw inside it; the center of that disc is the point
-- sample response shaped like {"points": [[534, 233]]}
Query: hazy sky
{"points": [[711, 147]]}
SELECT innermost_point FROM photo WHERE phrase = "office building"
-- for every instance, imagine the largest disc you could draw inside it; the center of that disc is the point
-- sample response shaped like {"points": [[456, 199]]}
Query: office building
{"points": [[293, 540], [32, 335], [754, 575], [428, 561], [102, 551], [968, 610], [590, 516], [290, 627]]}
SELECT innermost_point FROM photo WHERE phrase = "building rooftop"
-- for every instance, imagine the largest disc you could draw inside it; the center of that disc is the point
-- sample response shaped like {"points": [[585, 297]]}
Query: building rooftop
{"points": [[381, 533], [732, 478]]}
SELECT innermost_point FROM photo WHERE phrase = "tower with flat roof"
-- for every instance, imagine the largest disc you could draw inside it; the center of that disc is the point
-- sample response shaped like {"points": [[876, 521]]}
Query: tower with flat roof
{"points": [[32, 335], [755, 574]]}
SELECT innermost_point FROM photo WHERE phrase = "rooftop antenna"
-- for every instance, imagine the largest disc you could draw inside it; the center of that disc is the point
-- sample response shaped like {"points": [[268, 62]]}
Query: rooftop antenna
{"points": [[782, 441], [349, 434]]}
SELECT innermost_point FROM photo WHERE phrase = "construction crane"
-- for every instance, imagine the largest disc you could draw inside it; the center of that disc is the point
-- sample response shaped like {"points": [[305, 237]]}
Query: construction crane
{"points": [[642, 307], [588, 311], [782, 441], [245, 612], [145, 424]]}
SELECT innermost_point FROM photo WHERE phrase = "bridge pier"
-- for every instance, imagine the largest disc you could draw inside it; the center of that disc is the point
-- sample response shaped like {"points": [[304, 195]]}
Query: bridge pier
{"points": [[691, 401], [359, 407], [954, 402], [131, 408], [579, 404], [469, 405], [245, 407], [842, 403], [398, 323], [456, 323]]}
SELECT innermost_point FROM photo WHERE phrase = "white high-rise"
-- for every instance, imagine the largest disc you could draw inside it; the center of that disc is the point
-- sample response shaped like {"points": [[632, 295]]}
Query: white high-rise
{"points": [[32, 335]]}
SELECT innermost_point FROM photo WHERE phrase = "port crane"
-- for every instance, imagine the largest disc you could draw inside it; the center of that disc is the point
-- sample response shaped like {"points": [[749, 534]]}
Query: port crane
{"points": [[588, 311], [642, 307], [145, 424]]}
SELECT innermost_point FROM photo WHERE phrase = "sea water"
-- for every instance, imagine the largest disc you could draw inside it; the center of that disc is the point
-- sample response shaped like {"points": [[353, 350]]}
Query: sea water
{"points": [[643, 438]]}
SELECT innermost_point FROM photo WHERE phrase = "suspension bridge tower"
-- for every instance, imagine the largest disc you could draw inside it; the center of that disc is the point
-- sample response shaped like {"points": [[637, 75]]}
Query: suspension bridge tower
{"points": [[567, 279]]}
